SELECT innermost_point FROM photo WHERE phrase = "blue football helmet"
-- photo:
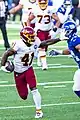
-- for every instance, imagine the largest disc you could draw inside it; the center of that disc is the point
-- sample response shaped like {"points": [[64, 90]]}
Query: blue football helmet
{"points": [[69, 28], [67, 2]]}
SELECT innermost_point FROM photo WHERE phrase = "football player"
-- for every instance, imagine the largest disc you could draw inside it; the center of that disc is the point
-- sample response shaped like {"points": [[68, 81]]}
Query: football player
{"points": [[70, 30], [43, 15], [23, 51], [64, 12], [26, 6]]}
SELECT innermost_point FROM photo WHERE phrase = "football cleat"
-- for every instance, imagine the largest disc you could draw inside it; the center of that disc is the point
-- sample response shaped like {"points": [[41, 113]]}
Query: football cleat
{"points": [[54, 53], [44, 67], [39, 114]]}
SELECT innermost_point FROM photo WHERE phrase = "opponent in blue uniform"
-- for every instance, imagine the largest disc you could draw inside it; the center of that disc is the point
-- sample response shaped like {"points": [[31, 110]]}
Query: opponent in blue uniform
{"points": [[64, 12], [70, 29]]}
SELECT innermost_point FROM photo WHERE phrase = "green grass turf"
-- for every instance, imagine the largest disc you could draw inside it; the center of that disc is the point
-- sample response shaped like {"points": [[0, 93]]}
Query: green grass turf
{"points": [[9, 97], [57, 97]]}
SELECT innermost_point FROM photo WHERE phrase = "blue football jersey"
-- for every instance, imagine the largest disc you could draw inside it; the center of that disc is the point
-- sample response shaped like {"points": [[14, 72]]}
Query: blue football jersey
{"points": [[72, 43], [71, 11], [62, 10], [65, 13]]}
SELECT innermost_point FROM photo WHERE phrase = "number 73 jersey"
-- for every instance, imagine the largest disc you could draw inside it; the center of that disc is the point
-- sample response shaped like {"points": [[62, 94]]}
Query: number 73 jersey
{"points": [[24, 55], [43, 18]]}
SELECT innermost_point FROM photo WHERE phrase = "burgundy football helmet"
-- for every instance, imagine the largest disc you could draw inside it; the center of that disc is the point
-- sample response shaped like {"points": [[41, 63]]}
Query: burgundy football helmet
{"points": [[27, 34]]}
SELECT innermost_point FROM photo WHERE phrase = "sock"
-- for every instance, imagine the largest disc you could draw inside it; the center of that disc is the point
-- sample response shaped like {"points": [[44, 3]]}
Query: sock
{"points": [[38, 60], [43, 61], [60, 52], [42, 55], [37, 99]]}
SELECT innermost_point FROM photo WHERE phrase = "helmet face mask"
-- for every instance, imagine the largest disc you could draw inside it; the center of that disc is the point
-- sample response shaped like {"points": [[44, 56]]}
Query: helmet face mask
{"points": [[27, 34], [43, 4], [31, 39], [67, 3], [32, 1]]}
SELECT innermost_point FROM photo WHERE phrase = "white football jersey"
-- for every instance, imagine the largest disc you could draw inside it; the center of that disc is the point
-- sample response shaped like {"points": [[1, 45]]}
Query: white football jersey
{"points": [[43, 18], [24, 55], [27, 6]]}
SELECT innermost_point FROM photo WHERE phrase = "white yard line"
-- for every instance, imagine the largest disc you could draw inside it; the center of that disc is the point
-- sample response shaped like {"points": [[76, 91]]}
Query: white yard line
{"points": [[52, 83], [56, 66], [9, 85], [3, 81], [45, 105], [60, 66], [57, 86], [42, 84]]}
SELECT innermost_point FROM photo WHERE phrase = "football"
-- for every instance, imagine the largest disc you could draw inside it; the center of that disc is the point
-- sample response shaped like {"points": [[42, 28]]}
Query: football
{"points": [[9, 66]]}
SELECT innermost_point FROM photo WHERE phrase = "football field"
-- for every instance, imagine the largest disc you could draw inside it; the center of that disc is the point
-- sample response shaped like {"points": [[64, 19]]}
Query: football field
{"points": [[55, 85]]}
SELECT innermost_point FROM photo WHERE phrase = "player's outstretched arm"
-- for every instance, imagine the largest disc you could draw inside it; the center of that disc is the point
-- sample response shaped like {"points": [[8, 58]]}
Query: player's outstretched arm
{"points": [[5, 56], [49, 42]]}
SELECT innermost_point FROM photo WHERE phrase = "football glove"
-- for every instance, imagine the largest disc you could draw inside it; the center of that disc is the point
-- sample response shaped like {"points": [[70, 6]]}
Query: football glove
{"points": [[54, 28], [9, 67], [62, 35], [4, 69]]}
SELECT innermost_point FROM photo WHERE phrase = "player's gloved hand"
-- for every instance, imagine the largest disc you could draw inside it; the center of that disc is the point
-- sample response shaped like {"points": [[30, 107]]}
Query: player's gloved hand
{"points": [[62, 35], [3, 68], [9, 66], [54, 28]]}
